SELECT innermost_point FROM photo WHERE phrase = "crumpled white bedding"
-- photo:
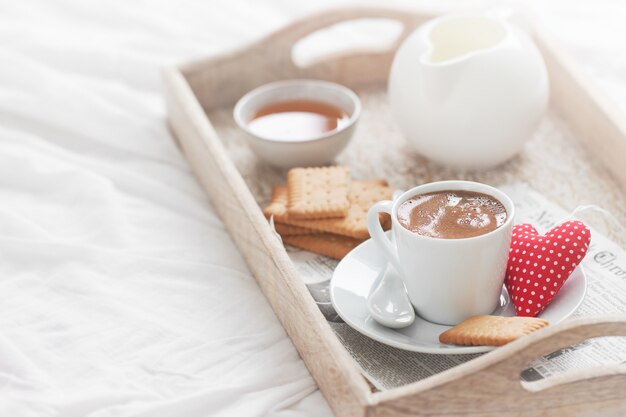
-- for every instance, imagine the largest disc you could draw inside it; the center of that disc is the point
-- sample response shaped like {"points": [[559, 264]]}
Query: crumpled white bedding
{"points": [[121, 294]]}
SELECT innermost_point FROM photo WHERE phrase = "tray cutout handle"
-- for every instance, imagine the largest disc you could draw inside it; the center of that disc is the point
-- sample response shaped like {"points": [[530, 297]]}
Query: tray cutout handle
{"points": [[301, 29], [350, 37], [558, 337], [352, 68], [491, 383], [574, 376], [552, 339], [270, 59]]}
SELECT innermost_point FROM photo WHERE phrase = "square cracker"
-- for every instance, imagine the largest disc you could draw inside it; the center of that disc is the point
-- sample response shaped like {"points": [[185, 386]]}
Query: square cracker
{"points": [[287, 230], [491, 330], [362, 195], [327, 244], [278, 206], [318, 193]]}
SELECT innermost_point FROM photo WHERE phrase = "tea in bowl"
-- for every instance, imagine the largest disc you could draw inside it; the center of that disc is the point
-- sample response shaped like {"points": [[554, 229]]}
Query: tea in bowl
{"points": [[298, 122], [450, 245]]}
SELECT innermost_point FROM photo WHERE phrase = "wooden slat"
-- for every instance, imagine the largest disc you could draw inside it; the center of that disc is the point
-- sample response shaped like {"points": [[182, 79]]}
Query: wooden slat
{"points": [[596, 121], [327, 360]]}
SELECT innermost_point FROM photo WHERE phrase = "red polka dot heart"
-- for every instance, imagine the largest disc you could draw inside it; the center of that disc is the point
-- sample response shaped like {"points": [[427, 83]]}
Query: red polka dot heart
{"points": [[539, 265]]}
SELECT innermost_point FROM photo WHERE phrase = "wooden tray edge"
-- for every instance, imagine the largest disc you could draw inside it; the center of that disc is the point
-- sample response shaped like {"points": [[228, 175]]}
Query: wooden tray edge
{"points": [[591, 114], [327, 360], [497, 374]]}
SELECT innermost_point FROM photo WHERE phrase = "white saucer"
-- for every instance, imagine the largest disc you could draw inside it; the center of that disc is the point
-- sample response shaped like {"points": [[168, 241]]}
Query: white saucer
{"points": [[356, 273]]}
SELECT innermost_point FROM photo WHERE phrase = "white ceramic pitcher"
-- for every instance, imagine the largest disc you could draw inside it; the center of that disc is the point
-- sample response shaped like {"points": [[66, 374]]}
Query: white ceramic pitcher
{"points": [[468, 90]]}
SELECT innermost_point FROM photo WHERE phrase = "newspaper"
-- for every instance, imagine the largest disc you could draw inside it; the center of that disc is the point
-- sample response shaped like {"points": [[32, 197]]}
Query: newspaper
{"points": [[387, 367]]}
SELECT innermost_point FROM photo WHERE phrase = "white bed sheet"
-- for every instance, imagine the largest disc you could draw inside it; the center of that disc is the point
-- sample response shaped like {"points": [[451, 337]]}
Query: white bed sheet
{"points": [[121, 294]]}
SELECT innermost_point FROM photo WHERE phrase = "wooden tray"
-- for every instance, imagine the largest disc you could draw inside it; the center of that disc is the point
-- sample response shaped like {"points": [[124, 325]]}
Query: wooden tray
{"points": [[200, 96]]}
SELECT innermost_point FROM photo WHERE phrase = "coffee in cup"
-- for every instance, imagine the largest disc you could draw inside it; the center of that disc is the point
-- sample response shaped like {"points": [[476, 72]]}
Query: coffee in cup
{"points": [[450, 244], [452, 214]]}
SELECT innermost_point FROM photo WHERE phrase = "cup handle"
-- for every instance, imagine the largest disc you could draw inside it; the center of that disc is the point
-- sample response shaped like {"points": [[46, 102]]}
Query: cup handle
{"points": [[378, 234]]}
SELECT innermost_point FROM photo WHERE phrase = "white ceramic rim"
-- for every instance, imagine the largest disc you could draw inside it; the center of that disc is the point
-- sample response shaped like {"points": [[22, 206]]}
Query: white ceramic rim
{"points": [[266, 88], [425, 58], [453, 185]]}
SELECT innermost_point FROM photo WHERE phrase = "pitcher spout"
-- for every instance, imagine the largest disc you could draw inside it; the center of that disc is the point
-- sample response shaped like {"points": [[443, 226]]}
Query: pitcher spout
{"points": [[458, 38]]}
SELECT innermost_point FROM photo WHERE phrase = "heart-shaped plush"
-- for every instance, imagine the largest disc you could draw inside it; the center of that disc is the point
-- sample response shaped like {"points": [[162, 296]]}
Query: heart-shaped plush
{"points": [[539, 265]]}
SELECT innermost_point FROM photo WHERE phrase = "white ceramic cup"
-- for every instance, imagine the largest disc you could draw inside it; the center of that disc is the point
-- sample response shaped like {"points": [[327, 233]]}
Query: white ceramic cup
{"points": [[447, 280]]}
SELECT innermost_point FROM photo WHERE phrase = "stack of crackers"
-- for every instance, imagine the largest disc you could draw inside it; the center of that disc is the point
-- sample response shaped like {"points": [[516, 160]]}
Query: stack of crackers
{"points": [[324, 211]]}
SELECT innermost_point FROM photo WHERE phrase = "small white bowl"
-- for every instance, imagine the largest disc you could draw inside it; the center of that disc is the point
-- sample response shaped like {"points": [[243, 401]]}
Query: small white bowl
{"points": [[320, 150]]}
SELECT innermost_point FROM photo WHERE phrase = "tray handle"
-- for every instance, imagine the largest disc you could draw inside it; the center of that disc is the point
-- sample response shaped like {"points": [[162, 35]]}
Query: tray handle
{"points": [[518, 356], [293, 33], [270, 59], [491, 383]]}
